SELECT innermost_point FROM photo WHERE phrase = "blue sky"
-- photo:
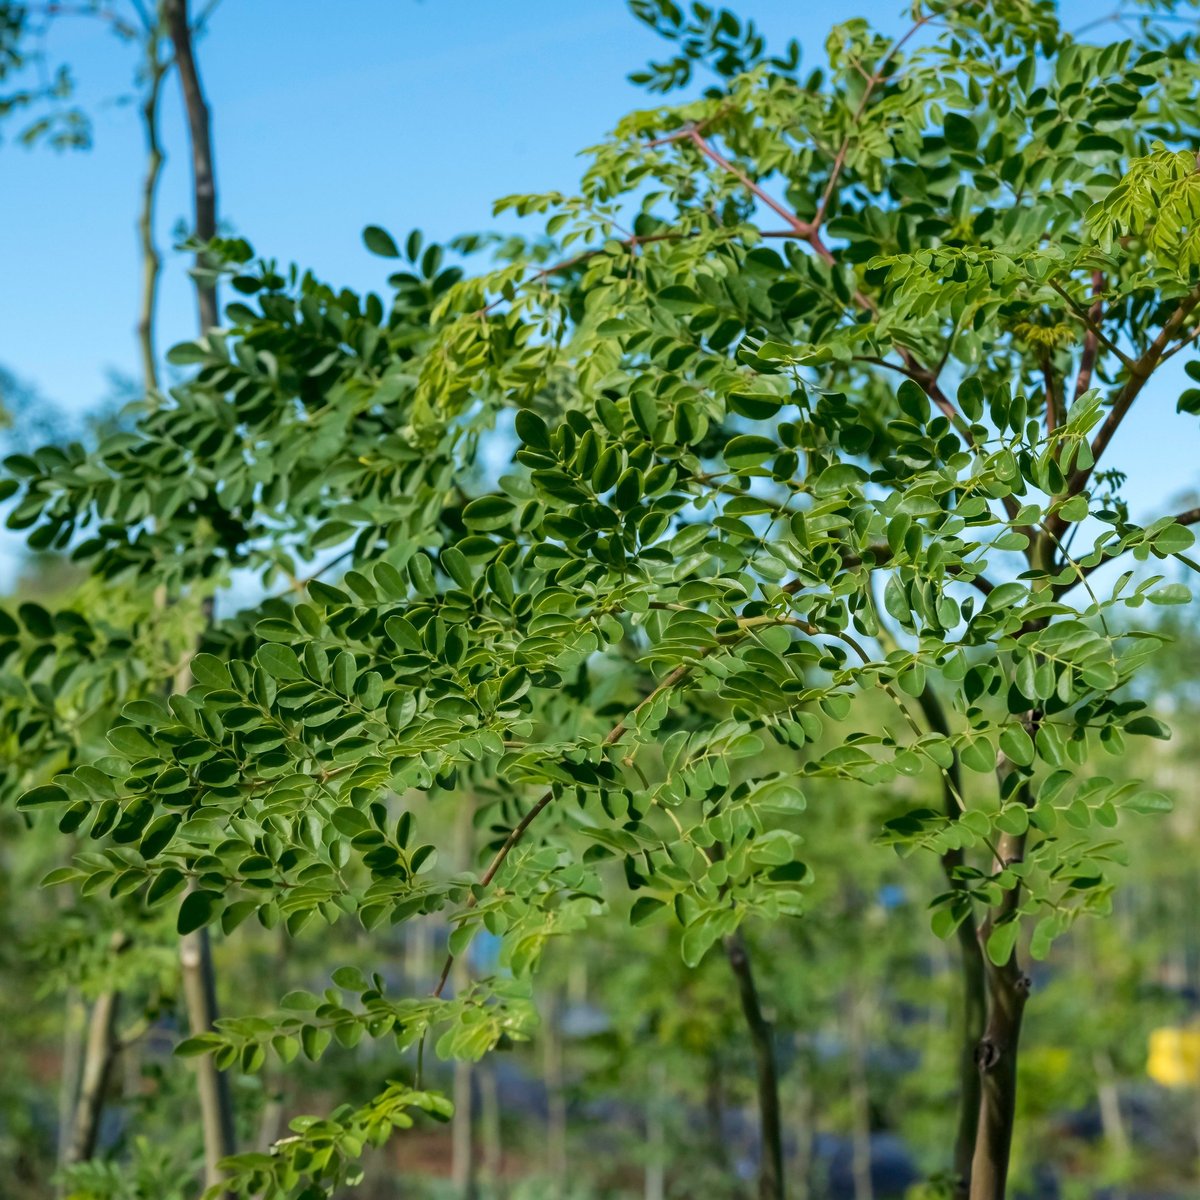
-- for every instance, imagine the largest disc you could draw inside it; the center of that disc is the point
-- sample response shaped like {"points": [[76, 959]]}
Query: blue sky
{"points": [[327, 118]]}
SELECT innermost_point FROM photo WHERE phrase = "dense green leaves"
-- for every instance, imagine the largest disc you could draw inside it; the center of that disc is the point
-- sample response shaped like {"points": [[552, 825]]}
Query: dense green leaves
{"points": [[745, 538]]}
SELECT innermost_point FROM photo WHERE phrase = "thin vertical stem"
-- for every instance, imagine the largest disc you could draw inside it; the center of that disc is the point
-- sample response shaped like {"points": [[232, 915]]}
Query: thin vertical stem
{"points": [[216, 1105], [156, 69], [98, 1059], [770, 1171], [74, 1025]]}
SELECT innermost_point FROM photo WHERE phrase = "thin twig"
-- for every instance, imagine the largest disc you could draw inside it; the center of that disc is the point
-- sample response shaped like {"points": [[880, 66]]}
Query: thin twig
{"points": [[1092, 326]]}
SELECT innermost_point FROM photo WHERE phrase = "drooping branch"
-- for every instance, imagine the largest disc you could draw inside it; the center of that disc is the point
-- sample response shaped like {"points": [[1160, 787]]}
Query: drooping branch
{"points": [[677, 676]]}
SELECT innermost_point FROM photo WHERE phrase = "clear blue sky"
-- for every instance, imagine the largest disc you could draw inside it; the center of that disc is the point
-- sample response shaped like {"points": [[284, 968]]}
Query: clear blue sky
{"points": [[329, 117]]}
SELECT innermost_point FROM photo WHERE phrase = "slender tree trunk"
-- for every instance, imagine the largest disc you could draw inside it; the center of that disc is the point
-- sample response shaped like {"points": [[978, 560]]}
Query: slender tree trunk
{"points": [[70, 1072], [556, 1100], [770, 1171], [204, 180], [714, 1112], [1007, 993], [462, 1170], [100, 1054], [99, 1057], [860, 1098], [156, 69], [654, 1180], [1108, 1096], [973, 1022], [1008, 989], [491, 1135], [216, 1105], [805, 1137], [973, 1016]]}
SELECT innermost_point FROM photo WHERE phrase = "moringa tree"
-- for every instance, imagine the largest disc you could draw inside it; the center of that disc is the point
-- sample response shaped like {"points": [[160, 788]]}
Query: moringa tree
{"points": [[809, 394]]}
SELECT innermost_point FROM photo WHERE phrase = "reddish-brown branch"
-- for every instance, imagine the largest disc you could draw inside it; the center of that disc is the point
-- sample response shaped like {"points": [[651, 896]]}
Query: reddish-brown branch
{"points": [[803, 228], [1091, 341], [1084, 316], [1053, 418]]}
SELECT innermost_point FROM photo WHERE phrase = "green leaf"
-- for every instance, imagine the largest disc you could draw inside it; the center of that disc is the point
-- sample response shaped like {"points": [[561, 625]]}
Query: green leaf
{"points": [[488, 512], [960, 132], [1001, 942], [42, 797], [197, 910], [1017, 745], [380, 242], [280, 662], [749, 450]]}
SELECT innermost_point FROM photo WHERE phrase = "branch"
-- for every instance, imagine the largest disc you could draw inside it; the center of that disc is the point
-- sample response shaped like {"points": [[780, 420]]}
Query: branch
{"points": [[1087, 361], [1093, 327], [1139, 374], [1190, 516], [873, 81], [629, 243], [1053, 415], [803, 228]]}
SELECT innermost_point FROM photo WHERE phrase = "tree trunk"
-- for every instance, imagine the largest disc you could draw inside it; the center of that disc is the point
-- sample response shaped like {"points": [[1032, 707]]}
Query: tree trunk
{"points": [[462, 1154], [216, 1105], [556, 1102], [770, 1171], [1007, 992], [860, 1099], [714, 1112], [490, 1132], [654, 1179], [972, 1027], [98, 1059], [974, 982], [204, 181], [70, 1072], [805, 1139], [996, 1059], [156, 69]]}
